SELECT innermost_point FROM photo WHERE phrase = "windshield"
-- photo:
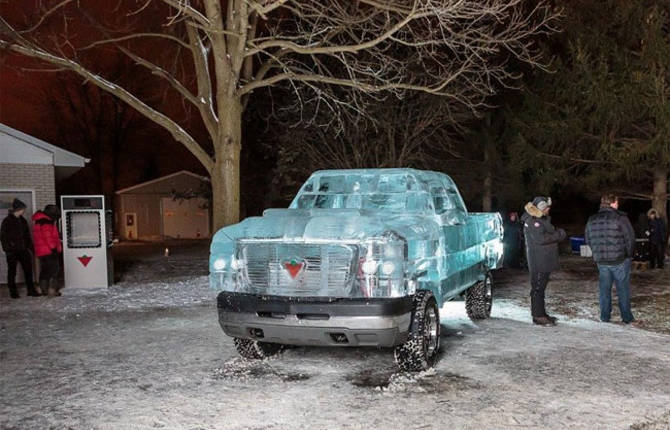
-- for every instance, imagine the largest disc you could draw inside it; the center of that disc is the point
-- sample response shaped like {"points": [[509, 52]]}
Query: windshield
{"points": [[392, 192]]}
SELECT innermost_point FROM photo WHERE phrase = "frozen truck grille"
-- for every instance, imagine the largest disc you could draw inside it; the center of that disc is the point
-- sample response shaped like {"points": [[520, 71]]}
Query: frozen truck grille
{"points": [[298, 269]]}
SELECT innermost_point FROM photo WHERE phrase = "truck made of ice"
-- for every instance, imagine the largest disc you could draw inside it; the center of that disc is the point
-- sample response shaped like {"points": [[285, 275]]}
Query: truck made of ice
{"points": [[360, 258]]}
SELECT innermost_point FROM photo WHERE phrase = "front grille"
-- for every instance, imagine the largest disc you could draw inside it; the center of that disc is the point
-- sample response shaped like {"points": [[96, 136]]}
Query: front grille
{"points": [[319, 269]]}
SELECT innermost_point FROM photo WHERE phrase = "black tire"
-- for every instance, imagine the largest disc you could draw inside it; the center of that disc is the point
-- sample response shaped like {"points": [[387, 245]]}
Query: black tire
{"points": [[423, 344], [255, 350], [479, 299]]}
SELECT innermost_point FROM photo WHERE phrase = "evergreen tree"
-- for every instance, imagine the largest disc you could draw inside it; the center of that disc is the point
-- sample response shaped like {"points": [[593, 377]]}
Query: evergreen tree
{"points": [[602, 119]]}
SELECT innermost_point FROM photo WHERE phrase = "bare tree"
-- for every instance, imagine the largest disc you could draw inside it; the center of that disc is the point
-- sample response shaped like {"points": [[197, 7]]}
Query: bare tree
{"points": [[96, 122], [448, 48]]}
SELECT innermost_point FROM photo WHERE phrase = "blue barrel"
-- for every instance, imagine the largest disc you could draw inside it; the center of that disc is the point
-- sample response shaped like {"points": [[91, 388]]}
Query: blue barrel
{"points": [[575, 243]]}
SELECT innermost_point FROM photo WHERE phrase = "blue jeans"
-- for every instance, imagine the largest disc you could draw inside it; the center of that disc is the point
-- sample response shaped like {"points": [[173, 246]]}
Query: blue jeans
{"points": [[619, 275]]}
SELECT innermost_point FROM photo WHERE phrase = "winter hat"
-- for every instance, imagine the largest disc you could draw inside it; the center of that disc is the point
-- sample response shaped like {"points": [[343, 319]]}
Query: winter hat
{"points": [[17, 205], [542, 203]]}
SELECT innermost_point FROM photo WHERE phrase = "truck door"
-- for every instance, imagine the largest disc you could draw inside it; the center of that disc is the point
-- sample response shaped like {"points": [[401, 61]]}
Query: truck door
{"points": [[449, 206]]}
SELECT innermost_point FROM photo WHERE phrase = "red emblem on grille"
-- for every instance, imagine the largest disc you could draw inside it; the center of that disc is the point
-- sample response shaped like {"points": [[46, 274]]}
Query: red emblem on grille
{"points": [[294, 267], [84, 259]]}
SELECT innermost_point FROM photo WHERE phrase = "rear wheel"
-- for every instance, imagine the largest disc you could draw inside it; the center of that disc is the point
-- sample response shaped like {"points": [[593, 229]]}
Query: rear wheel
{"points": [[255, 350], [420, 350], [479, 299]]}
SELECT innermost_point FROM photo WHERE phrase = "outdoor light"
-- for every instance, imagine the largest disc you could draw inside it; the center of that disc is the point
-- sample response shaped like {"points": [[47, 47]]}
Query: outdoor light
{"points": [[219, 264], [388, 268], [370, 267]]}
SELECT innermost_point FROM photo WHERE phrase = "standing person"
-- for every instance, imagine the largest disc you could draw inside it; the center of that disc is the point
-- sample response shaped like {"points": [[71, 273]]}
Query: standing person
{"points": [[47, 248], [656, 239], [17, 244], [542, 240], [612, 240], [642, 252], [512, 242]]}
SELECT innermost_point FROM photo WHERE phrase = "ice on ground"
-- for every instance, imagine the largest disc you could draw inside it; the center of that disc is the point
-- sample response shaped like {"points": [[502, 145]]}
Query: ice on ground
{"points": [[124, 297], [148, 355]]}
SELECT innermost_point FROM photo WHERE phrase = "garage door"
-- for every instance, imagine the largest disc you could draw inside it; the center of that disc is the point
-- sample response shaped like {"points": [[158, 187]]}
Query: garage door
{"points": [[185, 219]]}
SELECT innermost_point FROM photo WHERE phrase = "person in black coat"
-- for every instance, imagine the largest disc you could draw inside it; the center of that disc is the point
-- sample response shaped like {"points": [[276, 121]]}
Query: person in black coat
{"points": [[542, 240], [512, 240], [611, 237], [657, 235], [17, 245]]}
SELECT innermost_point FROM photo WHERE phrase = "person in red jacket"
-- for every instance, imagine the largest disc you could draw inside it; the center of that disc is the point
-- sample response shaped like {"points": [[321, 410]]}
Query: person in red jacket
{"points": [[47, 248]]}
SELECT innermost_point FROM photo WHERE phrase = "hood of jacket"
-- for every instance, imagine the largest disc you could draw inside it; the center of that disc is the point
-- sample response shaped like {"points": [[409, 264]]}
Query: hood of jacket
{"points": [[41, 218], [533, 211]]}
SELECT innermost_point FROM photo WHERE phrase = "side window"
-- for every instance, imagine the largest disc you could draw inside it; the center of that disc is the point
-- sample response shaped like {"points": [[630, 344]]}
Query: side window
{"points": [[441, 201]]}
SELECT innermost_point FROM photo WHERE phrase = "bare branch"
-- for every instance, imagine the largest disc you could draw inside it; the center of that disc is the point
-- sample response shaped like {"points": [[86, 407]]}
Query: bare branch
{"points": [[135, 36], [177, 131], [205, 94], [183, 7], [46, 15], [437, 89]]}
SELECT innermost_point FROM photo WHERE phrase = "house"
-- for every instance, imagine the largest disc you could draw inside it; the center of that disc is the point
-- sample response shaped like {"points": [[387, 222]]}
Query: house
{"points": [[29, 171], [173, 206]]}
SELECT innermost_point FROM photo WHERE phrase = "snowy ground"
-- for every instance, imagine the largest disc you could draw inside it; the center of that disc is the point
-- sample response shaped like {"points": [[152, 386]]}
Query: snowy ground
{"points": [[149, 354]]}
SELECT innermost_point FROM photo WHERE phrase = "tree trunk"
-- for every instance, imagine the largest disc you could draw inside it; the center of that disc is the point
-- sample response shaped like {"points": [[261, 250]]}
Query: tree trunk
{"points": [[487, 191], [659, 200], [487, 198], [225, 175]]}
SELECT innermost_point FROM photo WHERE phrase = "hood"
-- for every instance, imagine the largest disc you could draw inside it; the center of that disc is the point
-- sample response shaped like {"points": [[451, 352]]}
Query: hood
{"points": [[41, 216], [329, 224], [533, 211]]}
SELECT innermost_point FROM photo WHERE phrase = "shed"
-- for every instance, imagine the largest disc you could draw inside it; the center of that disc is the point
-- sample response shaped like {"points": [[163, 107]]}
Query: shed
{"points": [[171, 206], [29, 171]]}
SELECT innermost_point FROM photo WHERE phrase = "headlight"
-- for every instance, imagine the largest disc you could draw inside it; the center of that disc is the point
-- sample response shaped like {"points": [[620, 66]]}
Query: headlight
{"points": [[388, 268], [369, 267], [219, 264]]}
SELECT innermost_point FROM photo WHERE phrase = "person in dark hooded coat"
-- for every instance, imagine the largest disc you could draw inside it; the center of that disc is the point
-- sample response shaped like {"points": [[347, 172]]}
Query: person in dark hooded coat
{"points": [[542, 240], [18, 247], [513, 241], [657, 238]]}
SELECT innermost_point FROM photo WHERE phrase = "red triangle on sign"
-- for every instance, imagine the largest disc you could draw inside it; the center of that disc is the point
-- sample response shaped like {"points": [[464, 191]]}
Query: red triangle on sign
{"points": [[84, 259], [293, 268]]}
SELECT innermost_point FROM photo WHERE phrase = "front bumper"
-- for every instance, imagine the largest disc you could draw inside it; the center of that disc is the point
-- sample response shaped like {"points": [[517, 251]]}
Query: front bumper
{"points": [[315, 320]]}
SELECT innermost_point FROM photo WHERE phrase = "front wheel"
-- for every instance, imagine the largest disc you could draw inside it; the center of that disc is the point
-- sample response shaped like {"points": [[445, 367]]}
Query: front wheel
{"points": [[479, 299], [255, 350], [420, 350]]}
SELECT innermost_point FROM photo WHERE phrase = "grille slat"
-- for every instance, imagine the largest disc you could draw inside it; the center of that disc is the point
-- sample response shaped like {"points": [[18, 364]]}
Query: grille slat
{"points": [[328, 268]]}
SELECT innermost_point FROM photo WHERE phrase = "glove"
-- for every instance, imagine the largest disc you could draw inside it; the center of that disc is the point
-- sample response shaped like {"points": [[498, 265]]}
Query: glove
{"points": [[562, 233], [54, 251]]}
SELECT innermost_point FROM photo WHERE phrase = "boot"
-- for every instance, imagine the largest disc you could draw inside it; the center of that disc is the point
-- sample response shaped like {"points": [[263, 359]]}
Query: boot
{"points": [[14, 293], [543, 321], [537, 306], [43, 287], [32, 292], [552, 318], [53, 288]]}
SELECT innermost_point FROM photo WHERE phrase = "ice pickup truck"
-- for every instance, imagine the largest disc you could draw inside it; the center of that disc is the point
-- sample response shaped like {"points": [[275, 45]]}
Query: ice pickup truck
{"points": [[360, 258]]}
